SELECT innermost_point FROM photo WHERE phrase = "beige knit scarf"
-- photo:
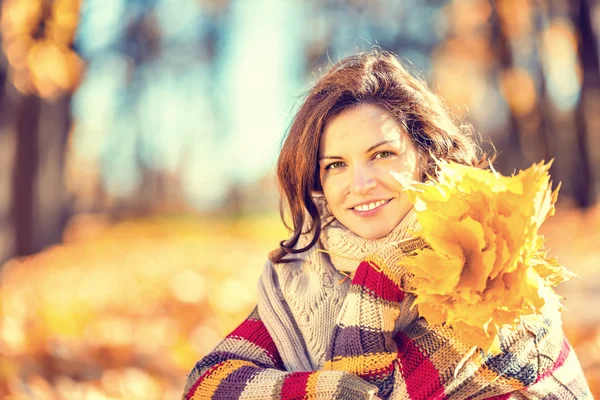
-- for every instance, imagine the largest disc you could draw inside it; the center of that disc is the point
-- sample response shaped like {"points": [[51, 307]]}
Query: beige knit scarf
{"points": [[299, 301]]}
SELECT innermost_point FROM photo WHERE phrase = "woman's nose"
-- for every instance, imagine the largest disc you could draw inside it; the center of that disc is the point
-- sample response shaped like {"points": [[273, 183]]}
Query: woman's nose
{"points": [[363, 180]]}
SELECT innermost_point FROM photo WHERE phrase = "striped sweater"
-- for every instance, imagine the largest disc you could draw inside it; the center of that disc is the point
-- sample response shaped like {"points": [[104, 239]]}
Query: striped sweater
{"points": [[369, 355]]}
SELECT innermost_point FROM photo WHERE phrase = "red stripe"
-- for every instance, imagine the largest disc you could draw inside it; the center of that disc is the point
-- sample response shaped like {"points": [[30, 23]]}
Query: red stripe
{"points": [[422, 378], [255, 332], [565, 350], [382, 286], [294, 386]]}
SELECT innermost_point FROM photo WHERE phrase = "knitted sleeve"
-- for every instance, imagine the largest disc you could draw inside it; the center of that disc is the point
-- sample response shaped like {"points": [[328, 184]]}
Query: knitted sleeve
{"points": [[380, 338], [247, 365], [535, 359]]}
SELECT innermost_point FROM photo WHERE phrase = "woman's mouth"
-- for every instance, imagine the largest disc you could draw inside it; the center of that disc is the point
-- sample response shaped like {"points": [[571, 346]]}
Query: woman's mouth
{"points": [[369, 208]]}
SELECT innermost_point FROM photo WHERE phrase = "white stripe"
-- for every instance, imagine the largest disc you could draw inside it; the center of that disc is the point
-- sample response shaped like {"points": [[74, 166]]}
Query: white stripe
{"points": [[366, 311], [240, 345], [264, 385]]}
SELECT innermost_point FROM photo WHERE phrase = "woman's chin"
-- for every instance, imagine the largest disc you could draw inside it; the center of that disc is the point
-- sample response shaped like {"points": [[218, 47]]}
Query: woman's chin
{"points": [[378, 227], [372, 233]]}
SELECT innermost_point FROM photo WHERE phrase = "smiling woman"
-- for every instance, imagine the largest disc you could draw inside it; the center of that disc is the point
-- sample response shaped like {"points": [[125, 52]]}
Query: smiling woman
{"points": [[364, 130], [376, 92]]}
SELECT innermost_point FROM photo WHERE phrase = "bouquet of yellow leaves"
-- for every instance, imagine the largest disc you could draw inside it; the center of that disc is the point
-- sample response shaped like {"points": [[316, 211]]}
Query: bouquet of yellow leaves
{"points": [[485, 266]]}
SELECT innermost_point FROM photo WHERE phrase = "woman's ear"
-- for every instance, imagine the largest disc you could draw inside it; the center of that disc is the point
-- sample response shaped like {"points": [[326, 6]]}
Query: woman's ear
{"points": [[422, 162]]}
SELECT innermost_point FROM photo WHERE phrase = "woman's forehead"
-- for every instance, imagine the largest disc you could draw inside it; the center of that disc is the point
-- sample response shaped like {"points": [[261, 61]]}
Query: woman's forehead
{"points": [[361, 126]]}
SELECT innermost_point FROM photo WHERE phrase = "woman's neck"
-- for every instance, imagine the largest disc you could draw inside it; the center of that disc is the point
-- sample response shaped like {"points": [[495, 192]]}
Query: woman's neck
{"points": [[346, 249]]}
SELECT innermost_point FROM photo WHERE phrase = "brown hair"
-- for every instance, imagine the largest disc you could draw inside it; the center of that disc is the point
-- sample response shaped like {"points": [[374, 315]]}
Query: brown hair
{"points": [[375, 77]]}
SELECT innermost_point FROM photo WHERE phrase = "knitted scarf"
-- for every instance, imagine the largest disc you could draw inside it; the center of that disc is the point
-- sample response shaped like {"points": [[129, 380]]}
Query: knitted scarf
{"points": [[312, 288]]}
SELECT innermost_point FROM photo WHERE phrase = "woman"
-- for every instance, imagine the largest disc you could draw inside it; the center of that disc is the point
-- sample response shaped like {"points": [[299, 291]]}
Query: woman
{"points": [[332, 320]]}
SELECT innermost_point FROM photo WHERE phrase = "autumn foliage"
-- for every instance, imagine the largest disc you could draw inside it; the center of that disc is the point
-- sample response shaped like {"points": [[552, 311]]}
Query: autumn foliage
{"points": [[124, 311], [36, 37], [483, 234]]}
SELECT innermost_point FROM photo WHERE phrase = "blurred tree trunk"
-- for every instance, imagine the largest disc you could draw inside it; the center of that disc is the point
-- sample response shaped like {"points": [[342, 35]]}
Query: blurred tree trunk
{"points": [[581, 176], [545, 129], [38, 128], [24, 174], [500, 43], [7, 139], [39, 206], [53, 207], [3, 76]]}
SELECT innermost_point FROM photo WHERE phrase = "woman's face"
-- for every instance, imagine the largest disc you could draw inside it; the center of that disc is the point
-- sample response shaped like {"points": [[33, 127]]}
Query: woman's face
{"points": [[358, 149]]}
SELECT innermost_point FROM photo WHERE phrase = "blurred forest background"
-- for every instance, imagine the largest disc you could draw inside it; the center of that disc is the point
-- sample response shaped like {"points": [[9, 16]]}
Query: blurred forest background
{"points": [[137, 145]]}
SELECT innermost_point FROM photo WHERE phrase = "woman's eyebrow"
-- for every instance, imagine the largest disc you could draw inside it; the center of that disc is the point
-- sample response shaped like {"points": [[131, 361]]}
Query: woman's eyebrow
{"points": [[330, 158], [370, 149]]}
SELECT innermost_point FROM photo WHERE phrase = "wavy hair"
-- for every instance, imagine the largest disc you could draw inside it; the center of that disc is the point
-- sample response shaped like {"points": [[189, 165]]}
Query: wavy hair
{"points": [[375, 77]]}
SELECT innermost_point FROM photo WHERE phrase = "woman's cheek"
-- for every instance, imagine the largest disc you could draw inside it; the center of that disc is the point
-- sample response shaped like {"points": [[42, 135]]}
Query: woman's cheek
{"points": [[332, 184], [336, 182]]}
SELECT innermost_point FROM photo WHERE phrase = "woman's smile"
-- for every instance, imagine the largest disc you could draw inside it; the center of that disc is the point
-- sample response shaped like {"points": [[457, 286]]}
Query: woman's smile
{"points": [[369, 208]]}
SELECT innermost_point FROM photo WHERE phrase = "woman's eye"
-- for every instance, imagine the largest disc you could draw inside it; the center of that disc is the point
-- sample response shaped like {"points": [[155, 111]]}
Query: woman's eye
{"points": [[334, 165], [383, 154]]}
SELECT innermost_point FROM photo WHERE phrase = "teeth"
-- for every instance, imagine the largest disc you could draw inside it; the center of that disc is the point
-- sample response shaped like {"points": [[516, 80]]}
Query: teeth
{"points": [[367, 207]]}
